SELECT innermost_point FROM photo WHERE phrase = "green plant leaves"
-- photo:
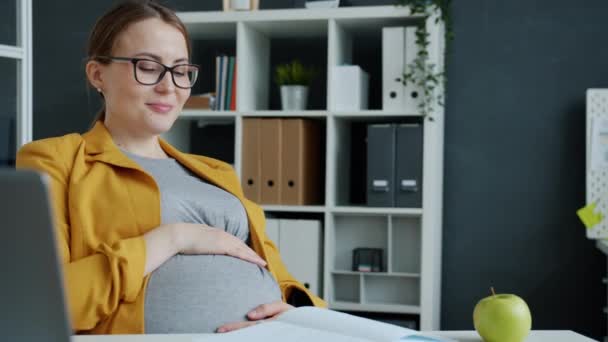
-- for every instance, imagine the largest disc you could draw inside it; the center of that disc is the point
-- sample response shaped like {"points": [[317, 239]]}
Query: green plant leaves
{"points": [[294, 73], [420, 72]]}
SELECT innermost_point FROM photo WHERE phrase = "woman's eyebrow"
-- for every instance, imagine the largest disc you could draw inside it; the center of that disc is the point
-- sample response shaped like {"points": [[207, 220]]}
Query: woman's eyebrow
{"points": [[157, 58]]}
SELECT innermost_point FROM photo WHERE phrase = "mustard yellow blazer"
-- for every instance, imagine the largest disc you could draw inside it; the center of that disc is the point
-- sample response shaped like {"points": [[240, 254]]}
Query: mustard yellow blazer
{"points": [[103, 204]]}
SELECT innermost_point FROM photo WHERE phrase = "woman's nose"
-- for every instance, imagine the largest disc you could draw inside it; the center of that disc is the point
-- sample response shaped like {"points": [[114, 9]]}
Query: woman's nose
{"points": [[166, 83]]}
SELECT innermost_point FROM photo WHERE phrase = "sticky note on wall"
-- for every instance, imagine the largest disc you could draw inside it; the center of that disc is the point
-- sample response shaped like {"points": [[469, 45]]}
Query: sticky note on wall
{"points": [[589, 216]]}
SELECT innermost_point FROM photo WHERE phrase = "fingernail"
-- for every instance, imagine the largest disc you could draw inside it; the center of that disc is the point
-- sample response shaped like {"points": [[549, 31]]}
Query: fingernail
{"points": [[253, 314], [221, 330]]}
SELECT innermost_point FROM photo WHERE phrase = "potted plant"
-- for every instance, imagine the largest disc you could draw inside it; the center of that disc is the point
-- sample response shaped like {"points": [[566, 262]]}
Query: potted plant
{"points": [[294, 79]]}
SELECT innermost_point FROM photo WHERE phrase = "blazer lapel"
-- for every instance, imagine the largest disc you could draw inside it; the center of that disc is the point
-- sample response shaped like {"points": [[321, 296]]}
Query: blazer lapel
{"points": [[100, 147]]}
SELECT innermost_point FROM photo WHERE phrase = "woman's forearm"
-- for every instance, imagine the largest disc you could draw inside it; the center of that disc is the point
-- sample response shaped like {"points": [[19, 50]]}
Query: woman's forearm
{"points": [[161, 244]]}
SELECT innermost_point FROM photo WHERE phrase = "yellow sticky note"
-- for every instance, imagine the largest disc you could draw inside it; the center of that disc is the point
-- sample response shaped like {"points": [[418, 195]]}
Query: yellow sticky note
{"points": [[588, 215]]}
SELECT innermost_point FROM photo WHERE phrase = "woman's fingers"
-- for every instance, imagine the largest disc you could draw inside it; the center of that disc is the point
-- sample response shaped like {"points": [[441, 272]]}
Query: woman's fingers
{"points": [[231, 245], [242, 251], [235, 326], [209, 240], [268, 310]]}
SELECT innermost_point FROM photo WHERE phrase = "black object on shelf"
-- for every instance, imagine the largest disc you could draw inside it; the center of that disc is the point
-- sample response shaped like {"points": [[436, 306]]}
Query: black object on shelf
{"points": [[367, 259]]}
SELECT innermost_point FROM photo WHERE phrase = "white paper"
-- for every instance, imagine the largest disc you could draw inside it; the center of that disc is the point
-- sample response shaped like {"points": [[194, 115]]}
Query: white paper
{"points": [[599, 144], [279, 331], [321, 325]]}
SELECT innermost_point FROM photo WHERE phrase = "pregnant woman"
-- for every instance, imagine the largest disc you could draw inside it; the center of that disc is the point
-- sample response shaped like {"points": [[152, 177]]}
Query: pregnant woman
{"points": [[154, 240]]}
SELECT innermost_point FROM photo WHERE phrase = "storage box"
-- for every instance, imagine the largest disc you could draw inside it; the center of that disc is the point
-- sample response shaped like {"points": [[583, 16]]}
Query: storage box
{"points": [[349, 86]]}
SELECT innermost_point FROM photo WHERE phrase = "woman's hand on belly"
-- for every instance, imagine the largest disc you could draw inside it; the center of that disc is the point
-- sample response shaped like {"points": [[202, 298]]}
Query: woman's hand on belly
{"points": [[264, 312], [201, 239]]}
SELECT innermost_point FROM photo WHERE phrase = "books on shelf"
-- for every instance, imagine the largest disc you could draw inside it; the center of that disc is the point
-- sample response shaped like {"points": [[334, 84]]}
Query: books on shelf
{"points": [[225, 82], [308, 323]]}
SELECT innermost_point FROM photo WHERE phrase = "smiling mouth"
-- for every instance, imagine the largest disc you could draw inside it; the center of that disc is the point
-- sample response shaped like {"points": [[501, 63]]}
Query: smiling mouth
{"points": [[159, 108]]}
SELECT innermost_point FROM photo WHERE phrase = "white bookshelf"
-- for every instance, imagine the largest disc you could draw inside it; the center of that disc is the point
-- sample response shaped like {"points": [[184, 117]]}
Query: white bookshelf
{"points": [[19, 55], [410, 237]]}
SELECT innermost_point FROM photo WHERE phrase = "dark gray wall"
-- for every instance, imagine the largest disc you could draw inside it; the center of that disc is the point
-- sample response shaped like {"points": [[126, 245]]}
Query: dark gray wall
{"points": [[514, 148], [514, 160]]}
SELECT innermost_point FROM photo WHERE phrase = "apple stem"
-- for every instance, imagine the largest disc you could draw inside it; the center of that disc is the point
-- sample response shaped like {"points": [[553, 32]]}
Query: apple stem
{"points": [[492, 289]]}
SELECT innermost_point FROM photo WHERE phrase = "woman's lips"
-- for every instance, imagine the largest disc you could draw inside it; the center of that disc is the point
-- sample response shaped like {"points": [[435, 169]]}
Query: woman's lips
{"points": [[160, 107]]}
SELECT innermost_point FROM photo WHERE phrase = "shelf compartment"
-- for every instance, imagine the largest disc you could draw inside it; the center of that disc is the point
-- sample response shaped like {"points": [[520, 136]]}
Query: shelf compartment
{"points": [[405, 244], [292, 157], [354, 231], [285, 50], [204, 53], [363, 115], [294, 208], [346, 288], [10, 17], [384, 308], [411, 212], [379, 274], [383, 290], [283, 113], [260, 49], [211, 137], [9, 117], [359, 42], [349, 150]]}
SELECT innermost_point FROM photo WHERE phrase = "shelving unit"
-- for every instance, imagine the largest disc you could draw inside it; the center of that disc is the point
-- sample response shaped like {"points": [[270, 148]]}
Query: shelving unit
{"points": [[410, 237], [16, 59]]}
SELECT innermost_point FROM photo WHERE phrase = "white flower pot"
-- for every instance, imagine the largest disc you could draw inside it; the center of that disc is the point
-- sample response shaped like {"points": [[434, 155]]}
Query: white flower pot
{"points": [[294, 97]]}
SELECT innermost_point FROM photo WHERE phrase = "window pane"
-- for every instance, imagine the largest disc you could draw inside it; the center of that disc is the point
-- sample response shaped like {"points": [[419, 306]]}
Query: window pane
{"points": [[8, 22], [8, 111]]}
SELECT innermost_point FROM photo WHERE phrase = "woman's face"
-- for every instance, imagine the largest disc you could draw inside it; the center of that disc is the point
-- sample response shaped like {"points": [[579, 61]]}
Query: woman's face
{"points": [[145, 110]]}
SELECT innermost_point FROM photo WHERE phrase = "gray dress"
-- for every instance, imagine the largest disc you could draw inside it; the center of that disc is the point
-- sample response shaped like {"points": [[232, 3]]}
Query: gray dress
{"points": [[199, 293]]}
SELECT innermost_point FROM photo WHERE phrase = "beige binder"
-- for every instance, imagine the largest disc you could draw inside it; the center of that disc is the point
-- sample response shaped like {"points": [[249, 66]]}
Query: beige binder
{"points": [[301, 158], [270, 188], [252, 154]]}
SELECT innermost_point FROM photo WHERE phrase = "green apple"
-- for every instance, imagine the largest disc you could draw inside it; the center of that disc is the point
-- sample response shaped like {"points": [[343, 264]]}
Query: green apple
{"points": [[502, 318]]}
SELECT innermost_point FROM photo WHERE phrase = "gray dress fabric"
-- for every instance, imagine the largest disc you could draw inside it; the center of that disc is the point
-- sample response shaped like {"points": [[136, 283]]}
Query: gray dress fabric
{"points": [[199, 293]]}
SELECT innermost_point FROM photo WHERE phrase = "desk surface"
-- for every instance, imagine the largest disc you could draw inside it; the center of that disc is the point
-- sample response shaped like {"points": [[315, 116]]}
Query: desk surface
{"points": [[461, 336]]}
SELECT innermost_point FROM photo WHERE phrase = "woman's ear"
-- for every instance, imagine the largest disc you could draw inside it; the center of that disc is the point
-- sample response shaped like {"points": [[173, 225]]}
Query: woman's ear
{"points": [[94, 71]]}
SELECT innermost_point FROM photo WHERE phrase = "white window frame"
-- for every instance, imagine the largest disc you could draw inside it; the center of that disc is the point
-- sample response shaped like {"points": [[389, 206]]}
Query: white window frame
{"points": [[22, 53]]}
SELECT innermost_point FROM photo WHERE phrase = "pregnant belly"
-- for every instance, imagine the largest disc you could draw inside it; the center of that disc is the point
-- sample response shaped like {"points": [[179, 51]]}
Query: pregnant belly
{"points": [[199, 293]]}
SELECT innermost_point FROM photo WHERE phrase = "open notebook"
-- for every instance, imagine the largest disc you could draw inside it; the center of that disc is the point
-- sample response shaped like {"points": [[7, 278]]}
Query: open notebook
{"points": [[320, 325]]}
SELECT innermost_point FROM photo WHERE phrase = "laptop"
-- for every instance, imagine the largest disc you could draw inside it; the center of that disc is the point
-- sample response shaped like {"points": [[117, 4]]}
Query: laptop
{"points": [[32, 305]]}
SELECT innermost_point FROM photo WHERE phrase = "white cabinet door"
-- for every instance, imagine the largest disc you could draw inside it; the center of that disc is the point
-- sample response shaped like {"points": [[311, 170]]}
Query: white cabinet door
{"points": [[300, 246]]}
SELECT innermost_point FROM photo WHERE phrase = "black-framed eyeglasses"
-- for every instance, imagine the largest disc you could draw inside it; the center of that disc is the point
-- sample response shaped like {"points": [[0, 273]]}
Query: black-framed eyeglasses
{"points": [[151, 72]]}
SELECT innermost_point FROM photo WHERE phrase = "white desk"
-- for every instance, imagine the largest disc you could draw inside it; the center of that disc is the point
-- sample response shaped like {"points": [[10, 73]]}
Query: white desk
{"points": [[462, 336]]}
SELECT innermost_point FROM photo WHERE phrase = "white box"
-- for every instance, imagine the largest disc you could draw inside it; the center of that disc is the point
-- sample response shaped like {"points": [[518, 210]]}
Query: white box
{"points": [[349, 86]]}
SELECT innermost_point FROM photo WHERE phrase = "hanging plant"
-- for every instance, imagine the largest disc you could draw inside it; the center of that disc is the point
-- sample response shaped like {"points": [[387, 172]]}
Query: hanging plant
{"points": [[420, 71]]}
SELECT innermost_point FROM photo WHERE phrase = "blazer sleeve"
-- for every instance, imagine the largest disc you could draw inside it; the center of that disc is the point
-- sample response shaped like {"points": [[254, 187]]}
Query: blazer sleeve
{"points": [[95, 285]]}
